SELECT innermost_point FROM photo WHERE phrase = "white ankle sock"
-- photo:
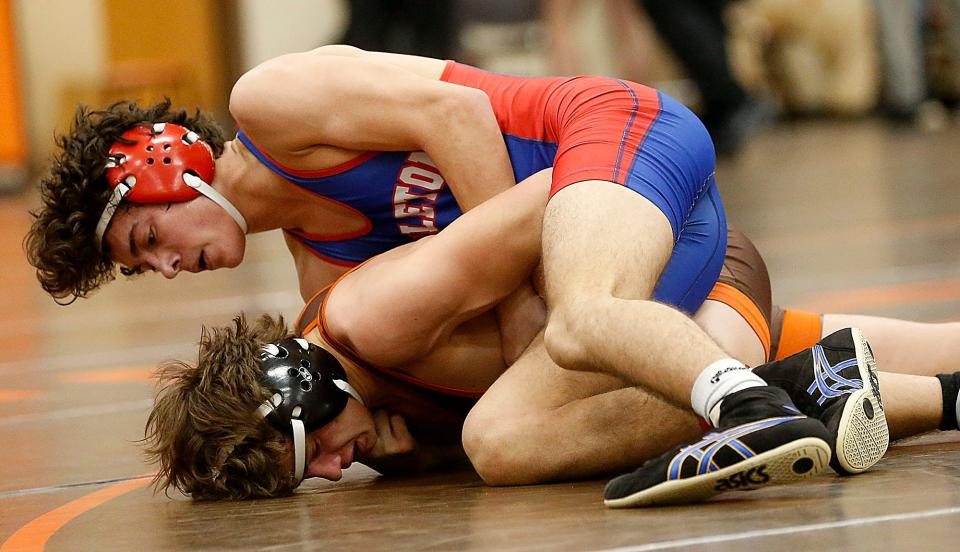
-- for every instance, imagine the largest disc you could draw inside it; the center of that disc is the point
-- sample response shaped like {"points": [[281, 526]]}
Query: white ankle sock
{"points": [[716, 382]]}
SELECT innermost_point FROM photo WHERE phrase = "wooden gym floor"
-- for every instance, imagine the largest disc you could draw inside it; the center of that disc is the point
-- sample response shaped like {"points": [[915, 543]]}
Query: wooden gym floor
{"points": [[851, 217]]}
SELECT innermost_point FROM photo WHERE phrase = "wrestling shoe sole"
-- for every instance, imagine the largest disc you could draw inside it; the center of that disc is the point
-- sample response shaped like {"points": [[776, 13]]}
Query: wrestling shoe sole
{"points": [[862, 433], [788, 463]]}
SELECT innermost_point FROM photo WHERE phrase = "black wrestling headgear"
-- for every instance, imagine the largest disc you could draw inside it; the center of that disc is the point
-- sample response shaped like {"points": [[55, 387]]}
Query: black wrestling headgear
{"points": [[309, 390]]}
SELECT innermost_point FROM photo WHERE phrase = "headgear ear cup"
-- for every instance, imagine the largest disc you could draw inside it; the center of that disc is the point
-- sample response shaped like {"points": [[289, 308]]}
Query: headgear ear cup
{"points": [[164, 163], [309, 389]]}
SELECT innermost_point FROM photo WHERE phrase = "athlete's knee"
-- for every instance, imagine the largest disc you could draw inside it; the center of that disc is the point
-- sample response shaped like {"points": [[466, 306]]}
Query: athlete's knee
{"points": [[495, 450], [479, 443], [567, 333]]}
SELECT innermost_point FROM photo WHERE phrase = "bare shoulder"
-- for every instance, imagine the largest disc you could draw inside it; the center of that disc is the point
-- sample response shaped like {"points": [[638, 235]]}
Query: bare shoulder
{"points": [[423, 66], [335, 89], [323, 62], [257, 89], [369, 308]]}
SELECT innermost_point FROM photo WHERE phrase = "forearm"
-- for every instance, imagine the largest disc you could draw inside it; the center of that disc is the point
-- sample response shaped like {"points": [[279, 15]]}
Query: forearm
{"points": [[521, 316], [469, 149], [365, 103], [441, 457], [446, 279], [397, 451], [425, 459]]}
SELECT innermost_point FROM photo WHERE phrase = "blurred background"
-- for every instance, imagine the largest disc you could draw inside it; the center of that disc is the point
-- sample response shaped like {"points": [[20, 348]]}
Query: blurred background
{"points": [[856, 99], [739, 63]]}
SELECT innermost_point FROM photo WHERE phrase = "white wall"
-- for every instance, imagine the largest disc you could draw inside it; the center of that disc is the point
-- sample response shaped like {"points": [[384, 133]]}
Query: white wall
{"points": [[60, 41], [269, 28]]}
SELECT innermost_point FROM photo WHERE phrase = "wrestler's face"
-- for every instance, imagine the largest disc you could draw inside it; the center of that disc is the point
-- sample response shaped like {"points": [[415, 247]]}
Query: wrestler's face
{"points": [[190, 236], [333, 447]]}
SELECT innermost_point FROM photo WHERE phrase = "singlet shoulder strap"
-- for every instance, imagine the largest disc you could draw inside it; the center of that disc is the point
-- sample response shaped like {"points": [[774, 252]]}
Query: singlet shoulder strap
{"points": [[311, 316], [307, 320], [302, 176]]}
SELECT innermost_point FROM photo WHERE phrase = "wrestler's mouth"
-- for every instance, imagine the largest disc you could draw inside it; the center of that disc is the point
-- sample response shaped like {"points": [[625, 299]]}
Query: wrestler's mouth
{"points": [[363, 446], [346, 460], [202, 262]]}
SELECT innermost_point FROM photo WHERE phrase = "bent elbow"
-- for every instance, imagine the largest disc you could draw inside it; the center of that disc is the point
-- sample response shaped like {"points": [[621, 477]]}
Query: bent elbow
{"points": [[466, 106]]}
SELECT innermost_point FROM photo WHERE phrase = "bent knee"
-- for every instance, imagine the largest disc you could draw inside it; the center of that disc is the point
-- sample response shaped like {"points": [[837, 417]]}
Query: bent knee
{"points": [[495, 451], [568, 334]]}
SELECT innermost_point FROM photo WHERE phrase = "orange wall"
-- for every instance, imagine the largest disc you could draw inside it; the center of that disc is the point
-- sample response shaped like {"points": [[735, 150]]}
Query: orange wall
{"points": [[181, 39], [13, 149]]}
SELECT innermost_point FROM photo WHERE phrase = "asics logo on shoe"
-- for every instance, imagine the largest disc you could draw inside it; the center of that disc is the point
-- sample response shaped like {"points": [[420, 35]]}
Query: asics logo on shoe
{"points": [[753, 476], [827, 379], [716, 377], [702, 457]]}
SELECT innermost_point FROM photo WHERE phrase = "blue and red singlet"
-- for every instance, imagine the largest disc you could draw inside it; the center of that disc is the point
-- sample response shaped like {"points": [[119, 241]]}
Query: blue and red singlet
{"points": [[586, 128]]}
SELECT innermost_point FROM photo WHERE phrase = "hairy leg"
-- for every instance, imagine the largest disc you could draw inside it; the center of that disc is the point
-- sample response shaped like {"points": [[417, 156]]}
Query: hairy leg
{"points": [[731, 331], [599, 281], [912, 398], [540, 423], [903, 346], [913, 404]]}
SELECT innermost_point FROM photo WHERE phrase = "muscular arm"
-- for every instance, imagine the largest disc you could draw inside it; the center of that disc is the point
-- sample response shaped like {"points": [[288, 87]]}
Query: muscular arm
{"points": [[399, 306], [521, 316], [350, 99]]}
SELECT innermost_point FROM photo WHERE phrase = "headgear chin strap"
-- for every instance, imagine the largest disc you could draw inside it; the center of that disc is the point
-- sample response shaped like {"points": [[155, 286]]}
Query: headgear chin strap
{"points": [[166, 164], [309, 390]]}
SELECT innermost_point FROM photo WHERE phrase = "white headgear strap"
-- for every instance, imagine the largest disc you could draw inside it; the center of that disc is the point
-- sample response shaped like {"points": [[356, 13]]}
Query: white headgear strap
{"points": [[348, 389], [119, 193], [299, 449], [199, 185], [124, 188], [299, 436]]}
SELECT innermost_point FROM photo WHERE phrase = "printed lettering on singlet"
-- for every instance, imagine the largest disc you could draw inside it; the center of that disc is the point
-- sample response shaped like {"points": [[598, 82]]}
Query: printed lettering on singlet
{"points": [[415, 195]]}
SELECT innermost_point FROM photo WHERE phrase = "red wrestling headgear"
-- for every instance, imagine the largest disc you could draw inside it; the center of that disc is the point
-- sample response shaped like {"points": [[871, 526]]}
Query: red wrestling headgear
{"points": [[166, 163], [157, 159]]}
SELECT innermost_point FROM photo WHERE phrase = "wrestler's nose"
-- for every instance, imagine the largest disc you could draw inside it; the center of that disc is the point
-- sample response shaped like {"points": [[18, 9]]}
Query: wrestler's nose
{"points": [[326, 466], [169, 264]]}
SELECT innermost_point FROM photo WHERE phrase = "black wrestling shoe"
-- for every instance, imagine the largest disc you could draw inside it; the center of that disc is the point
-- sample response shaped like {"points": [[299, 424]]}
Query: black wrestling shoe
{"points": [[836, 382], [761, 441]]}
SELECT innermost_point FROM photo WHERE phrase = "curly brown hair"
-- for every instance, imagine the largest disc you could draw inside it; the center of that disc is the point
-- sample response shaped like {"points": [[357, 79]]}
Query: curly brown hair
{"points": [[61, 243], [204, 430]]}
